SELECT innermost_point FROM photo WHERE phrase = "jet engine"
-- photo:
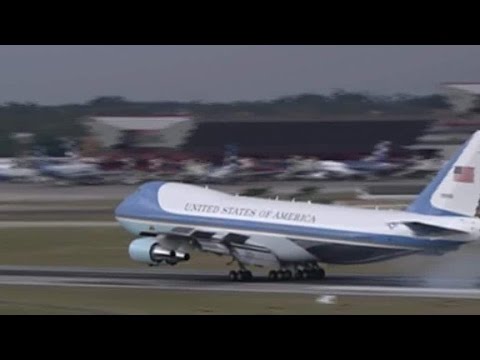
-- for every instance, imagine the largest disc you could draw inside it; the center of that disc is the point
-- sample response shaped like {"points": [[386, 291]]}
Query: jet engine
{"points": [[148, 250]]}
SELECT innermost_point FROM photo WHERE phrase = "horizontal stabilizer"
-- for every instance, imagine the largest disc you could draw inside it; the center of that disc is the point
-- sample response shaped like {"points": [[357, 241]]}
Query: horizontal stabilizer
{"points": [[431, 228]]}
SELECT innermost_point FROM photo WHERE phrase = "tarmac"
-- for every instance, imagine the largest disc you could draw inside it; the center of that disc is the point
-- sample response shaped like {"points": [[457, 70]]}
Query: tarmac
{"points": [[191, 280]]}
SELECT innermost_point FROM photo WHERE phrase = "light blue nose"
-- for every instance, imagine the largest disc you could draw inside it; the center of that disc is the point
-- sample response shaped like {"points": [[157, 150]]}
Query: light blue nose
{"points": [[141, 202]]}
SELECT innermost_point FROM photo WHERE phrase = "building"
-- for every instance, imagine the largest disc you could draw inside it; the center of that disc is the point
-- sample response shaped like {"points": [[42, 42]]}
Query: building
{"points": [[454, 128], [152, 132], [330, 137], [463, 97]]}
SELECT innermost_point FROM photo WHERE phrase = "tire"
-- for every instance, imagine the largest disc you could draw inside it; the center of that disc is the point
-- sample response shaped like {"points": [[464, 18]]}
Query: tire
{"points": [[287, 275], [233, 275], [320, 274], [299, 275], [273, 275]]}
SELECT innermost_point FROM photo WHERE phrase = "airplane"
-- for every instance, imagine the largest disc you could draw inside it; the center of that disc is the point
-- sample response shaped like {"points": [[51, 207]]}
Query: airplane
{"points": [[194, 171], [14, 172], [77, 172], [73, 169], [228, 171], [365, 195], [233, 169], [374, 164], [6, 163], [295, 239]]}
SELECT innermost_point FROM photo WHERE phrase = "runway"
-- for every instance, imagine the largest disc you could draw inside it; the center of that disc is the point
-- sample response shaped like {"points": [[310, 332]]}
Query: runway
{"points": [[193, 280], [12, 192]]}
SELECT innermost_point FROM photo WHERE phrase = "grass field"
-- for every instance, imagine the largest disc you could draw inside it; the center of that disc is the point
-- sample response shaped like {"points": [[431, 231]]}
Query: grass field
{"points": [[55, 300], [107, 247], [99, 210], [97, 247], [107, 203], [103, 210]]}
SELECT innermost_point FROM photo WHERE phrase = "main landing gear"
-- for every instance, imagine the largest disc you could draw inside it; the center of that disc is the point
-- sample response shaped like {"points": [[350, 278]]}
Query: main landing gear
{"points": [[285, 275], [241, 275], [310, 273]]}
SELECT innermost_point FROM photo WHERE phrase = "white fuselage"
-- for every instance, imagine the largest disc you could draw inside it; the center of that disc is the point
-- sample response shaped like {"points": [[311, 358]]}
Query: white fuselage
{"points": [[191, 201], [444, 216], [71, 169], [14, 172], [333, 229], [336, 168]]}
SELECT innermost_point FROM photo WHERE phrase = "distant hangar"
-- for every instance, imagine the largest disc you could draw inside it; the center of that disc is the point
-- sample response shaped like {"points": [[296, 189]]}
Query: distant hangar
{"points": [[331, 136], [462, 96], [141, 132]]}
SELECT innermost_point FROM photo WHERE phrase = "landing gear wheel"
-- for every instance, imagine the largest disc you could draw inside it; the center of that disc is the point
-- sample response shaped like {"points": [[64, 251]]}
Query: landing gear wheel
{"points": [[286, 275], [299, 275], [320, 274], [273, 275], [245, 275], [308, 274], [233, 275]]}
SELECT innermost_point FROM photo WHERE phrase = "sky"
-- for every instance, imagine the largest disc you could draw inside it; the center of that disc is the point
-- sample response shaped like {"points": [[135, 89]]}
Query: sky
{"points": [[60, 74]]}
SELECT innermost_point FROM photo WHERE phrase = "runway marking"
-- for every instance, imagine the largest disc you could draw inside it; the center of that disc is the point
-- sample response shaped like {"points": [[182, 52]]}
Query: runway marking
{"points": [[104, 279], [398, 291]]}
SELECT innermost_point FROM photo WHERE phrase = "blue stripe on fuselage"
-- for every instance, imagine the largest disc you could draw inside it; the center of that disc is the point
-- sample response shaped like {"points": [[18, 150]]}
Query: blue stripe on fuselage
{"points": [[143, 205]]}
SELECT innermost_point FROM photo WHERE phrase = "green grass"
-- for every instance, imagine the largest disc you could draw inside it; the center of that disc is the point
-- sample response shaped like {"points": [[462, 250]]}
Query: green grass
{"points": [[101, 210], [109, 301], [96, 246], [108, 247], [91, 215], [108, 203]]}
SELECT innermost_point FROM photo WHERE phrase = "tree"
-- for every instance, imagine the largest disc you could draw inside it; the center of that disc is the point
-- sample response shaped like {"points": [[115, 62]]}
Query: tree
{"points": [[107, 101]]}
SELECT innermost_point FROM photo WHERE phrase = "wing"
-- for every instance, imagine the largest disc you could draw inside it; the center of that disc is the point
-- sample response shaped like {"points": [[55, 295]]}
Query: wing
{"points": [[252, 250]]}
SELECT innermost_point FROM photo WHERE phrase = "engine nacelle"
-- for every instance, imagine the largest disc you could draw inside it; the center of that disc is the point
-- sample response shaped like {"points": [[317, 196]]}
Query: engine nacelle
{"points": [[148, 250]]}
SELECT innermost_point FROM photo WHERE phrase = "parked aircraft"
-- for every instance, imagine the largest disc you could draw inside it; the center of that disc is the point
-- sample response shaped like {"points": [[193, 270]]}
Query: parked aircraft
{"points": [[18, 173], [374, 164]]}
